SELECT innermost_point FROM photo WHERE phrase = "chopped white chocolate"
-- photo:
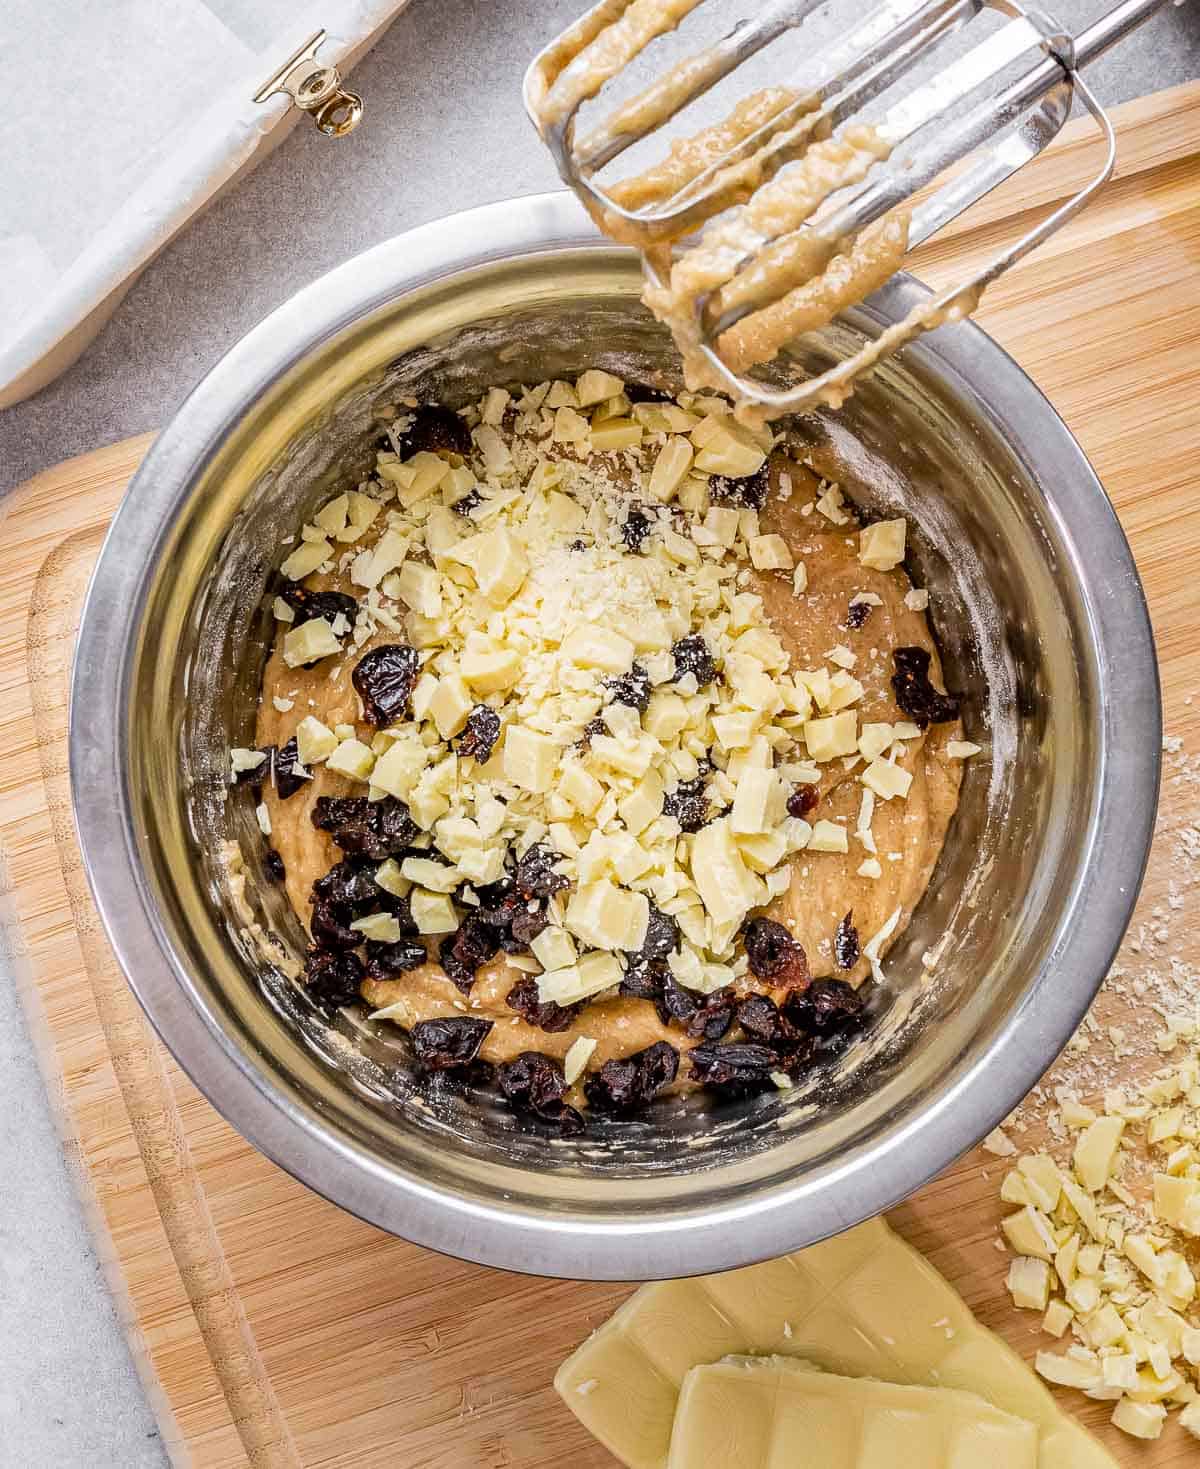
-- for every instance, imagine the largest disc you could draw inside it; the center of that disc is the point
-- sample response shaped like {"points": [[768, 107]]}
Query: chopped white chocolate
{"points": [[314, 741], [1029, 1283], [882, 545], [577, 1057], [353, 758], [432, 912], [961, 749], [310, 641], [770, 553]]}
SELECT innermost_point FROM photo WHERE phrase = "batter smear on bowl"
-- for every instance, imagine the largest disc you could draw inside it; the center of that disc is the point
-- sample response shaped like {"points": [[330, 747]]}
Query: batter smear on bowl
{"points": [[602, 743]]}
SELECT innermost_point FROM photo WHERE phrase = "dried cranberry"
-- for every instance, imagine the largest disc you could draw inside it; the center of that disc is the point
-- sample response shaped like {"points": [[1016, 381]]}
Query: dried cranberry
{"points": [[464, 951], [365, 828], [631, 1084], [759, 1017], [273, 865], [333, 978], [499, 902], [735, 1068], [530, 920], [857, 613], [692, 655], [535, 876], [466, 503], [845, 943], [389, 961], [350, 883], [632, 688], [479, 738], [329, 926], [688, 804], [644, 980], [675, 1001], [713, 1016], [828, 1008], [535, 1084], [329, 605], [634, 529], [283, 769], [441, 1045], [644, 393], [748, 492], [802, 800], [774, 954], [434, 430], [545, 1014], [384, 678], [915, 695], [577, 545], [662, 936]]}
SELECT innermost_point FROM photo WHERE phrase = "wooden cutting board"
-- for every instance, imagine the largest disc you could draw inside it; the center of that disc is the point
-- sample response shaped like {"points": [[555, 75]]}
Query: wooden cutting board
{"points": [[275, 1331]]}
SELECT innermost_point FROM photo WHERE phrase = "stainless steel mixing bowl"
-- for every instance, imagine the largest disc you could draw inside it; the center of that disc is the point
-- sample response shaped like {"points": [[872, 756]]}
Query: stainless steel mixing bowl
{"points": [[1041, 617]]}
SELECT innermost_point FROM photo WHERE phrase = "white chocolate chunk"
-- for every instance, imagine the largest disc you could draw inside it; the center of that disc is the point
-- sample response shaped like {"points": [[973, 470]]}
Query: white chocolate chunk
{"points": [[760, 803], [399, 768], [881, 545], [490, 670], [604, 916], [961, 749], [828, 836], [835, 735], [615, 433], [432, 912], [887, 780], [594, 386], [1096, 1151], [591, 646], [1139, 1420], [577, 1057], [530, 758], [554, 948], [670, 470], [593, 974], [1029, 1233], [449, 705], [1029, 1283], [755, 1412], [383, 928], [314, 741], [419, 587], [727, 888], [770, 553], [352, 758], [311, 640], [390, 879], [305, 559]]}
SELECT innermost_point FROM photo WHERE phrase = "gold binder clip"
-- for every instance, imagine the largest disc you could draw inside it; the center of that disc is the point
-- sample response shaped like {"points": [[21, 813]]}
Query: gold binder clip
{"points": [[316, 89]]}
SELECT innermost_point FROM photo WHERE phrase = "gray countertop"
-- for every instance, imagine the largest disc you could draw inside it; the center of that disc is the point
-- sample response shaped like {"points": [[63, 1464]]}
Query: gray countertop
{"points": [[444, 130]]}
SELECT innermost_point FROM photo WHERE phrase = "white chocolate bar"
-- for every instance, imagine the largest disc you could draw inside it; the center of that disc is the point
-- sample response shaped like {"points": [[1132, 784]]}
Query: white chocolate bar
{"points": [[760, 1412], [863, 1304]]}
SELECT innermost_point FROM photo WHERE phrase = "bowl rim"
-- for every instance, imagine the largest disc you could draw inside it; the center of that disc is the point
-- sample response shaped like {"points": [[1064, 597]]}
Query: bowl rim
{"points": [[687, 1241]]}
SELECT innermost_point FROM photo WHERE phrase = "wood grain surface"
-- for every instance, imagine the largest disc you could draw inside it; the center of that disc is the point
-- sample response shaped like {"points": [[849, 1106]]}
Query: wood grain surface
{"points": [[271, 1329]]}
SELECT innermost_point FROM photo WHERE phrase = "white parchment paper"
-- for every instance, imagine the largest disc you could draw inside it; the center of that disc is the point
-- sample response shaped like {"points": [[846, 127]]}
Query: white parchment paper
{"points": [[121, 120]]}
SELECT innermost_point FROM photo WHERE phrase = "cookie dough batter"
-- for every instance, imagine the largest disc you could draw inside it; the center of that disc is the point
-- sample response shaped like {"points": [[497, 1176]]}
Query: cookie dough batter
{"points": [[766, 575]]}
